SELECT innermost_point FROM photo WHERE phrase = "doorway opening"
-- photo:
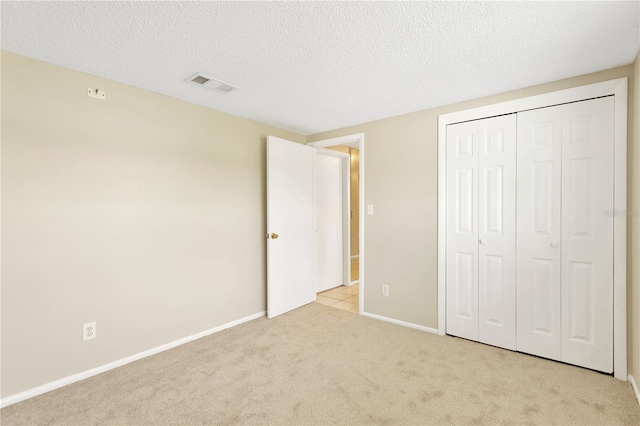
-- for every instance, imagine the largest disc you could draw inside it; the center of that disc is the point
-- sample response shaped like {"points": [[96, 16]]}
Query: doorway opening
{"points": [[349, 295]]}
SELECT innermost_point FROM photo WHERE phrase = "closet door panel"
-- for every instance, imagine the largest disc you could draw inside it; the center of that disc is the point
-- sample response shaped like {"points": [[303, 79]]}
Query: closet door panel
{"points": [[496, 250], [462, 230], [539, 232], [587, 240]]}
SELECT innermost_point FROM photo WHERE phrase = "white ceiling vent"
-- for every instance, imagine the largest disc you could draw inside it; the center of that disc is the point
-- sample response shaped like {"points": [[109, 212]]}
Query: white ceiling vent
{"points": [[210, 83]]}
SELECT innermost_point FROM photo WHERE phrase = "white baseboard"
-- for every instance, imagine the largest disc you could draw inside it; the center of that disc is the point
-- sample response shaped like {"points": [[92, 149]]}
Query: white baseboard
{"points": [[355, 256], [47, 387], [402, 323], [354, 282], [634, 385]]}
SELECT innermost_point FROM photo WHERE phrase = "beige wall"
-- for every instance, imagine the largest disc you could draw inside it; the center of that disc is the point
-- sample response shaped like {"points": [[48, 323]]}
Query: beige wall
{"points": [[634, 228], [401, 170], [141, 212]]}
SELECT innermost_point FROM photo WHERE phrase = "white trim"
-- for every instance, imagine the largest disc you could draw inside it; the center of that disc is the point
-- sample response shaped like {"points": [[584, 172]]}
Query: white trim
{"points": [[580, 93], [634, 385], [620, 233], [442, 233], [361, 224], [343, 140], [402, 323], [355, 256], [332, 153], [354, 282], [617, 87], [346, 219], [47, 387]]}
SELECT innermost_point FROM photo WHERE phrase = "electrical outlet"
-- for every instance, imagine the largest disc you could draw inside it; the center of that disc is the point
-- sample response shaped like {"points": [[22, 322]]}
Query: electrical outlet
{"points": [[88, 331], [385, 290]]}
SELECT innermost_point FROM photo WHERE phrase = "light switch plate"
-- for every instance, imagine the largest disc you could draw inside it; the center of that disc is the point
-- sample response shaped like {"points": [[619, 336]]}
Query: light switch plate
{"points": [[370, 209]]}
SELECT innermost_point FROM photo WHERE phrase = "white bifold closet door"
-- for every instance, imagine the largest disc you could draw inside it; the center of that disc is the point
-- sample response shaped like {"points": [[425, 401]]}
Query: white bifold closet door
{"points": [[481, 161], [564, 236], [539, 231]]}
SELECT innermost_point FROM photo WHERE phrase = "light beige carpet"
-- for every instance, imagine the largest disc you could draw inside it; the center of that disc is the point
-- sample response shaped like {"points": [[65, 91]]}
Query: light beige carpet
{"points": [[321, 365]]}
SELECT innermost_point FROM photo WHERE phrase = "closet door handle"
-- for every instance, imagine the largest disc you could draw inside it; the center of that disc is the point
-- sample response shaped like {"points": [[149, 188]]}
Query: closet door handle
{"points": [[481, 241], [554, 244]]}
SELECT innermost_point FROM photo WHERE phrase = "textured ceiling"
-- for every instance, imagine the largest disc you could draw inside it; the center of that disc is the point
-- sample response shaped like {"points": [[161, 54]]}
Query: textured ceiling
{"points": [[315, 66]]}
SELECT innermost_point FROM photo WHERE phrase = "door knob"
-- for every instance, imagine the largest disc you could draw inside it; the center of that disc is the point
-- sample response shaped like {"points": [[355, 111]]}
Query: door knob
{"points": [[554, 244], [274, 236], [481, 241]]}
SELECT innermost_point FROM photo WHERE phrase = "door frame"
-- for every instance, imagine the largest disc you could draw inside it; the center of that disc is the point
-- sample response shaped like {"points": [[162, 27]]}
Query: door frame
{"points": [[342, 140], [346, 208], [616, 87]]}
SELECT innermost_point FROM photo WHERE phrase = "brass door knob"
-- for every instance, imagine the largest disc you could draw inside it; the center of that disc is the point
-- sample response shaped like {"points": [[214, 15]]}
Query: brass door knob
{"points": [[274, 236]]}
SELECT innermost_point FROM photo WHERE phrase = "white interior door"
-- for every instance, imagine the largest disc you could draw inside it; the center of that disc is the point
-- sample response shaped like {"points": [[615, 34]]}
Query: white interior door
{"points": [[462, 230], [587, 233], [329, 212], [497, 233], [539, 231], [290, 226]]}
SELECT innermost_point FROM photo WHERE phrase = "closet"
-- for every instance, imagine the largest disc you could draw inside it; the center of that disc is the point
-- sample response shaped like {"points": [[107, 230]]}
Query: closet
{"points": [[529, 246]]}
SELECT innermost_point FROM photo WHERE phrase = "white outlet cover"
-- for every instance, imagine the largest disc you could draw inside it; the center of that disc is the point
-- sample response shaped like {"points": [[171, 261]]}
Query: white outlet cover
{"points": [[88, 331]]}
